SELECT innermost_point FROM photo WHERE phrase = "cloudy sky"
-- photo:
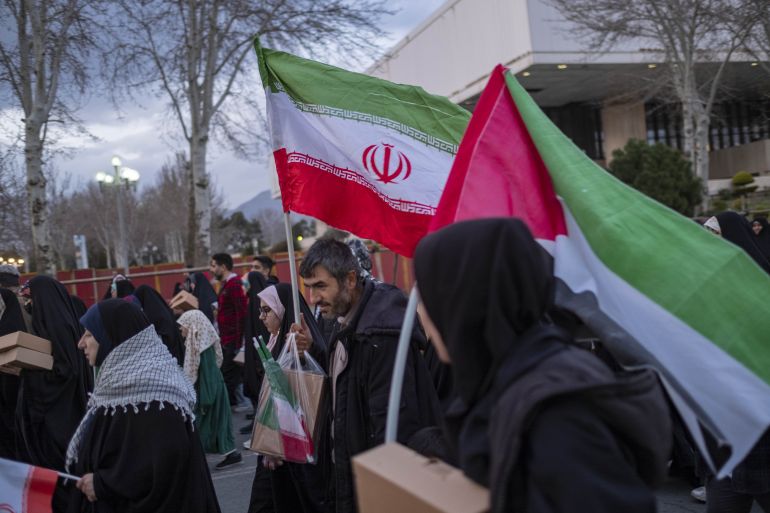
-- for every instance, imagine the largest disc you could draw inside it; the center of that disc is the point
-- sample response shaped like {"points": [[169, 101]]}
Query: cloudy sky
{"points": [[145, 136]]}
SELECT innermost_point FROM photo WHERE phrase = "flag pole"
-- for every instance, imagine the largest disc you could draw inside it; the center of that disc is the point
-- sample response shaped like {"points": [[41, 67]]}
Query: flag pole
{"points": [[397, 381], [68, 476], [292, 267]]}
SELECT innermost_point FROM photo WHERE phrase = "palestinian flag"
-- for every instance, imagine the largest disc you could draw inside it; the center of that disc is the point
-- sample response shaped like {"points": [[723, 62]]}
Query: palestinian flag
{"points": [[655, 287], [283, 413], [357, 152]]}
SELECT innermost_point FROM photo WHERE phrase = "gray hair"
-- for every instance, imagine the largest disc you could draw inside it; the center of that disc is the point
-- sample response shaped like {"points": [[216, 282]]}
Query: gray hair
{"points": [[334, 256]]}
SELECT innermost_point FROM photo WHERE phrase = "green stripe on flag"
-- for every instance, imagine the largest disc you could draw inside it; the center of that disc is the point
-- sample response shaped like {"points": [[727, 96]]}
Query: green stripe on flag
{"points": [[314, 84], [710, 284]]}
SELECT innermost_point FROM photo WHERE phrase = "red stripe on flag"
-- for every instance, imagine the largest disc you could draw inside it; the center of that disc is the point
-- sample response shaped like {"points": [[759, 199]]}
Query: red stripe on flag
{"points": [[297, 449], [313, 188], [498, 171], [38, 490]]}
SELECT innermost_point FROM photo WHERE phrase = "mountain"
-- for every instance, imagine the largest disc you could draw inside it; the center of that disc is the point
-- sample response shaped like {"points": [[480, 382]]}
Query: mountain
{"points": [[261, 201]]}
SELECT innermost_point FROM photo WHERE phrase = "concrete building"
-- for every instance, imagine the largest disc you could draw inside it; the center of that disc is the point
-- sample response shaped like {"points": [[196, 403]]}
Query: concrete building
{"points": [[597, 99]]}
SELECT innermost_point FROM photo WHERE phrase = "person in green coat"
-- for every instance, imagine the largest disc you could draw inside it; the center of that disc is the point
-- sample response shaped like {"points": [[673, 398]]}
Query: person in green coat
{"points": [[203, 357]]}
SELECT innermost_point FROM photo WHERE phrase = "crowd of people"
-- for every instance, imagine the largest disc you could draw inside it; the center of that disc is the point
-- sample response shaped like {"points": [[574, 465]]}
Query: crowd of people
{"points": [[494, 383]]}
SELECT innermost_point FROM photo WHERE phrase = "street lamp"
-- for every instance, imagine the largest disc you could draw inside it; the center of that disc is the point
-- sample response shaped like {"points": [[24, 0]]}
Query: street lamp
{"points": [[122, 175]]}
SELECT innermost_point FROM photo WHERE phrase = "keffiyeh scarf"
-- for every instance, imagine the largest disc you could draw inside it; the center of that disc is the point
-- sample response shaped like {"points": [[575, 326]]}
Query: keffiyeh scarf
{"points": [[137, 372], [200, 336]]}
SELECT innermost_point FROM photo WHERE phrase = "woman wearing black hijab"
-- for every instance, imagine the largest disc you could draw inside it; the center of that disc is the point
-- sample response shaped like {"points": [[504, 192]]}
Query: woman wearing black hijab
{"points": [[546, 426], [162, 317], [761, 229], [11, 321], [203, 290], [136, 448], [736, 229], [51, 403]]}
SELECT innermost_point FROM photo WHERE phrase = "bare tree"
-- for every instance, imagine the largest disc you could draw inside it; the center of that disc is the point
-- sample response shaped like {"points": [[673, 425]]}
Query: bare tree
{"points": [[15, 235], [686, 33], [43, 57], [758, 43], [194, 52]]}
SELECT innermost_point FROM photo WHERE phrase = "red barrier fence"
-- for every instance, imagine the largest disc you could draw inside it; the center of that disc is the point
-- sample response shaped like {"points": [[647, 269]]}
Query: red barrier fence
{"points": [[91, 284]]}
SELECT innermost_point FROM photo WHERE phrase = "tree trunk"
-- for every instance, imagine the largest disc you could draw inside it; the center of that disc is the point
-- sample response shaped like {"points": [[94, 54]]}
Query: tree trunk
{"points": [[201, 195], [701, 151], [37, 199], [192, 220]]}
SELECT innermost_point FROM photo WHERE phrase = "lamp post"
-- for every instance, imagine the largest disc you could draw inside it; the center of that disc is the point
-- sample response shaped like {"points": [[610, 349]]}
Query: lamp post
{"points": [[122, 175]]}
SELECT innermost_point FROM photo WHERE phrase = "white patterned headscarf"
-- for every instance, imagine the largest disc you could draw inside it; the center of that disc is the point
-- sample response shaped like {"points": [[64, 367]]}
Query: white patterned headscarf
{"points": [[200, 336], [270, 296], [137, 372]]}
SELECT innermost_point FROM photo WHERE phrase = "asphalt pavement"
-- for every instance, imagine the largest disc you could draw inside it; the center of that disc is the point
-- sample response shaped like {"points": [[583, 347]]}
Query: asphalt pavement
{"points": [[233, 484]]}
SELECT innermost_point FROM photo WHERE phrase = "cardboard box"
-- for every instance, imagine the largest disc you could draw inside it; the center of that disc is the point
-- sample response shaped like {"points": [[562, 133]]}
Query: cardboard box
{"points": [[21, 357], [268, 441], [22, 339], [392, 477], [184, 301]]}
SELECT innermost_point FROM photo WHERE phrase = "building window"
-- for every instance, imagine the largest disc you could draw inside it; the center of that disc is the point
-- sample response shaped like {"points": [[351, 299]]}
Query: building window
{"points": [[732, 123], [582, 123]]}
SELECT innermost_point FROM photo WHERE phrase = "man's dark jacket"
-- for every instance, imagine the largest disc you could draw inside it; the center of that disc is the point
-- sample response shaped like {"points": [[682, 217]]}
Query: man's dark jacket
{"points": [[371, 340]]}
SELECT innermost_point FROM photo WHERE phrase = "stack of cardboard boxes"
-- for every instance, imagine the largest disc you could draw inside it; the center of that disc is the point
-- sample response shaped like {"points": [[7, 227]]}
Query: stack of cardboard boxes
{"points": [[24, 351]]}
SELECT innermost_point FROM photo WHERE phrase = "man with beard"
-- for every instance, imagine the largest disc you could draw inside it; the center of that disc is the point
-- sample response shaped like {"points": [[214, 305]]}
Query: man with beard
{"points": [[362, 350], [231, 315]]}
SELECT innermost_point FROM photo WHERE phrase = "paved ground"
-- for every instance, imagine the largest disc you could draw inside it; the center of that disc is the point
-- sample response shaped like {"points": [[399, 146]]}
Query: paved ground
{"points": [[233, 484]]}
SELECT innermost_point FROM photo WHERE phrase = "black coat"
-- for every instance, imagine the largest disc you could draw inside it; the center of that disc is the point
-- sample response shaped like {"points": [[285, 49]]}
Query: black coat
{"points": [[149, 461], [363, 387]]}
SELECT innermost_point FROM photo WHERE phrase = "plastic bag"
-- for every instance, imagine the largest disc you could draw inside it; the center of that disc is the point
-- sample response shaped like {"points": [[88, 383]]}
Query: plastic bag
{"points": [[289, 410]]}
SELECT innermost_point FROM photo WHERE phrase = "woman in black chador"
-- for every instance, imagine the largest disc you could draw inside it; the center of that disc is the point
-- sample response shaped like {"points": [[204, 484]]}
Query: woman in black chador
{"points": [[252, 367], [136, 449], [548, 427], [162, 317], [51, 403], [205, 294], [11, 321]]}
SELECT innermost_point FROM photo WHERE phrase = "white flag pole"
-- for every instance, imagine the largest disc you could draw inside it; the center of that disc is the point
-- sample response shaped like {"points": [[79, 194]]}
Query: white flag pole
{"points": [[292, 267], [397, 381]]}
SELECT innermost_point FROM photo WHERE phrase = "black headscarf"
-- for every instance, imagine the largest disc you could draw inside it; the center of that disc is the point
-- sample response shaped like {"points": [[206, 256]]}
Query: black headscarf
{"points": [[736, 229], [252, 368], [763, 239], [79, 305], [51, 403], [205, 294], [162, 317], [11, 321], [112, 322], [506, 289], [496, 315], [54, 317], [124, 288]]}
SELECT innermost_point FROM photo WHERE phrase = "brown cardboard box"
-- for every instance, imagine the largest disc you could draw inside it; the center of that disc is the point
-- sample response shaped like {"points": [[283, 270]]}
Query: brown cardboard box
{"points": [[23, 339], [268, 441], [21, 357], [184, 301], [393, 478]]}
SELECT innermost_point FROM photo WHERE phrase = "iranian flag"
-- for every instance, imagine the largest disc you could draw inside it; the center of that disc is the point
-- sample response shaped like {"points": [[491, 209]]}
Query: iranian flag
{"points": [[656, 288], [357, 152], [25, 488], [283, 413]]}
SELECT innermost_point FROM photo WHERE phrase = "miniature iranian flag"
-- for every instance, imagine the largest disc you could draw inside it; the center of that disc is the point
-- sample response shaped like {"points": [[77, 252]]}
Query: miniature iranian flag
{"points": [[282, 412], [25, 488], [360, 153]]}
